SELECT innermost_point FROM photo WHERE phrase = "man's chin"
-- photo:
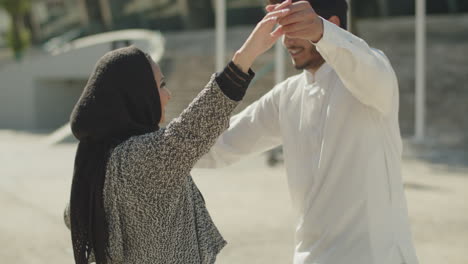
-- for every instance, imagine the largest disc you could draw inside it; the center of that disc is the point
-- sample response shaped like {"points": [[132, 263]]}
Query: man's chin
{"points": [[312, 64], [300, 66]]}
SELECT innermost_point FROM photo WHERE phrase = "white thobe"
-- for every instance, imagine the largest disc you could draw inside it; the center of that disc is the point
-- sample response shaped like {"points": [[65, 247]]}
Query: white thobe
{"points": [[342, 149]]}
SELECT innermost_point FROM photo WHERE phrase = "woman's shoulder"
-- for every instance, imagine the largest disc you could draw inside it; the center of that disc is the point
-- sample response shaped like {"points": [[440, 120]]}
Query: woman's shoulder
{"points": [[137, 148]]}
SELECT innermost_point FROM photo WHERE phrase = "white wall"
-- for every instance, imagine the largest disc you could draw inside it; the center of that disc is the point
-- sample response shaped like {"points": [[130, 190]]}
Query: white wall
{"points": [[19, 83], [54, 111]]}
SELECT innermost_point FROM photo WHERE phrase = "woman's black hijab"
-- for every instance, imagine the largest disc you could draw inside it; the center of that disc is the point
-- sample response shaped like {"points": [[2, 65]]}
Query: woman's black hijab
{"points": [[120, 100]]}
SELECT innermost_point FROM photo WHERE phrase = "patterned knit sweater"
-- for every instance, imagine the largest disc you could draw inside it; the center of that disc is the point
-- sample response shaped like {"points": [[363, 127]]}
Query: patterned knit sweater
{"points": [[155, 212]]}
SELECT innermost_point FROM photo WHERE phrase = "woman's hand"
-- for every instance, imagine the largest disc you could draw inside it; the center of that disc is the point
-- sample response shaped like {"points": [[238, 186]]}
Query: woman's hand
{"points": [[261, 39], [302, 22]]}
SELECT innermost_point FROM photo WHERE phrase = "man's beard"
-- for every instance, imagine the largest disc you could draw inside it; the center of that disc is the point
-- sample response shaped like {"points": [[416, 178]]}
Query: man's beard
{"points": [[314, 62]]}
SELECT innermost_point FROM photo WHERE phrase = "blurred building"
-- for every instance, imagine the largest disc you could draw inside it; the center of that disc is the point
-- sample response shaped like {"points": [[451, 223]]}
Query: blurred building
{"points": [[52, 18], [48, 18], [39, 93], [378, 8]]}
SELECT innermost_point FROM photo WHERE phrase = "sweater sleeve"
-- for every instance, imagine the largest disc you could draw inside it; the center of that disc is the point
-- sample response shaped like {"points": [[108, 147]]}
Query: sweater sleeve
{"points": [[194, 132], [234, 82], [163, 158]]}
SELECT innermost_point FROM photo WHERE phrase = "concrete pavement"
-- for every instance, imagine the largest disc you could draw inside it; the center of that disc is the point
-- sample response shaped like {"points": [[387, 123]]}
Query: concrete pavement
{"points": [[248, 201]]}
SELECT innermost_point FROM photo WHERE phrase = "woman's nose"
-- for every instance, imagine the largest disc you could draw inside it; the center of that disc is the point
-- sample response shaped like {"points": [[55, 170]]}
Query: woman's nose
{"points": [[169, 94]]}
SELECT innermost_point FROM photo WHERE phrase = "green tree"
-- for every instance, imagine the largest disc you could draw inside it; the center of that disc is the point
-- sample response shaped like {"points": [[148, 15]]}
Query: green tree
{"points": [[17, 36]]}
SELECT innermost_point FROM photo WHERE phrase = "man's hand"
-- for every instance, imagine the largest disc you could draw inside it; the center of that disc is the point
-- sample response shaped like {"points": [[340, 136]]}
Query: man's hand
{"points": [[261, 39], [301, 22]]}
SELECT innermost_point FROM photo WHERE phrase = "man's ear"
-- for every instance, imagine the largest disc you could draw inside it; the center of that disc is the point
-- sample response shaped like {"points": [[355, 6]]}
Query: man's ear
{"points": [[335, 20]]}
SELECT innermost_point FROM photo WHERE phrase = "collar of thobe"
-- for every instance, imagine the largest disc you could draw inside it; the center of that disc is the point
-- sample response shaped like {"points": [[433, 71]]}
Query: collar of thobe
{"points": [[319, 75]]}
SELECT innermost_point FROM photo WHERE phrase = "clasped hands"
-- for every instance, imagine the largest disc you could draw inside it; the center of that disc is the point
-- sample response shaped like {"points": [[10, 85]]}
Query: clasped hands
{"points": [[297, 20], [294, 20]]}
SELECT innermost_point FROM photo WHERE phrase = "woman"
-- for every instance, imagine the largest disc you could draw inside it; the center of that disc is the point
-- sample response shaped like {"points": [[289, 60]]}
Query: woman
{"points": [[133, 199]]}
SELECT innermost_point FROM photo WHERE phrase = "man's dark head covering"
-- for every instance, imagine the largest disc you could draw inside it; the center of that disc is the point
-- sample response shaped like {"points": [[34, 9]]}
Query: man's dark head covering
{"points": [[120, 100], [327, 9]]}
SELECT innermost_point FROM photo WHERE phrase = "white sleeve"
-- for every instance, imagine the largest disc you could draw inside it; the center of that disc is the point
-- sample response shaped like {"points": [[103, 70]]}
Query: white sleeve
{"points": [[255, 130], [365, 72]]}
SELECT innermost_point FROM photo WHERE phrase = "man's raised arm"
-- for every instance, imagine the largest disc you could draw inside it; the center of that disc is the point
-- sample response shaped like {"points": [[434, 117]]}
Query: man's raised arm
{"points": [[365, 72]]}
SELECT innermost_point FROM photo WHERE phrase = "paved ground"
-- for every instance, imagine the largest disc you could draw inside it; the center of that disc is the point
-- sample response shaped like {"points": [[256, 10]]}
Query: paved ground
{"points": [[248, 201]]}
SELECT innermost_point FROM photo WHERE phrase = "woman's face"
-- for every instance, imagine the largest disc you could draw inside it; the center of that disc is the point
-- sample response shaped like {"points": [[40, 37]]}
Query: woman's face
{"points": [[164, 93]]}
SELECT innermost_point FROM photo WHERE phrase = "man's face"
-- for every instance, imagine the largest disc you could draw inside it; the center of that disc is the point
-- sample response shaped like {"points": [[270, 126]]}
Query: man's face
{"points": [[304, 55]]}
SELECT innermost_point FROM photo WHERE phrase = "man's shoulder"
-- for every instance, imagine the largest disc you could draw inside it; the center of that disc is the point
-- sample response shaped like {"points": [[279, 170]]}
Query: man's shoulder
{"points": [[374, 49], [380, 52]]}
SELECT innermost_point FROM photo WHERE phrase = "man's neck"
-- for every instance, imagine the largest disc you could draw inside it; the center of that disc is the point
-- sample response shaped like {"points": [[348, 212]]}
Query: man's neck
{"points": [[314, 68]]}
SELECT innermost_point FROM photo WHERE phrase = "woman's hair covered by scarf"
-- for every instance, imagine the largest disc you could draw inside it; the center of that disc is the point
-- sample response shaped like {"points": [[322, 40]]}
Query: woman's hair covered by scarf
{"points": [[120, 100]]}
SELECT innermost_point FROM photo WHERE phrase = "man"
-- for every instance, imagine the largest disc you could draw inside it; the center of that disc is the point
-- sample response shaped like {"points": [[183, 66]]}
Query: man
{"points": [[338, 124]]}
